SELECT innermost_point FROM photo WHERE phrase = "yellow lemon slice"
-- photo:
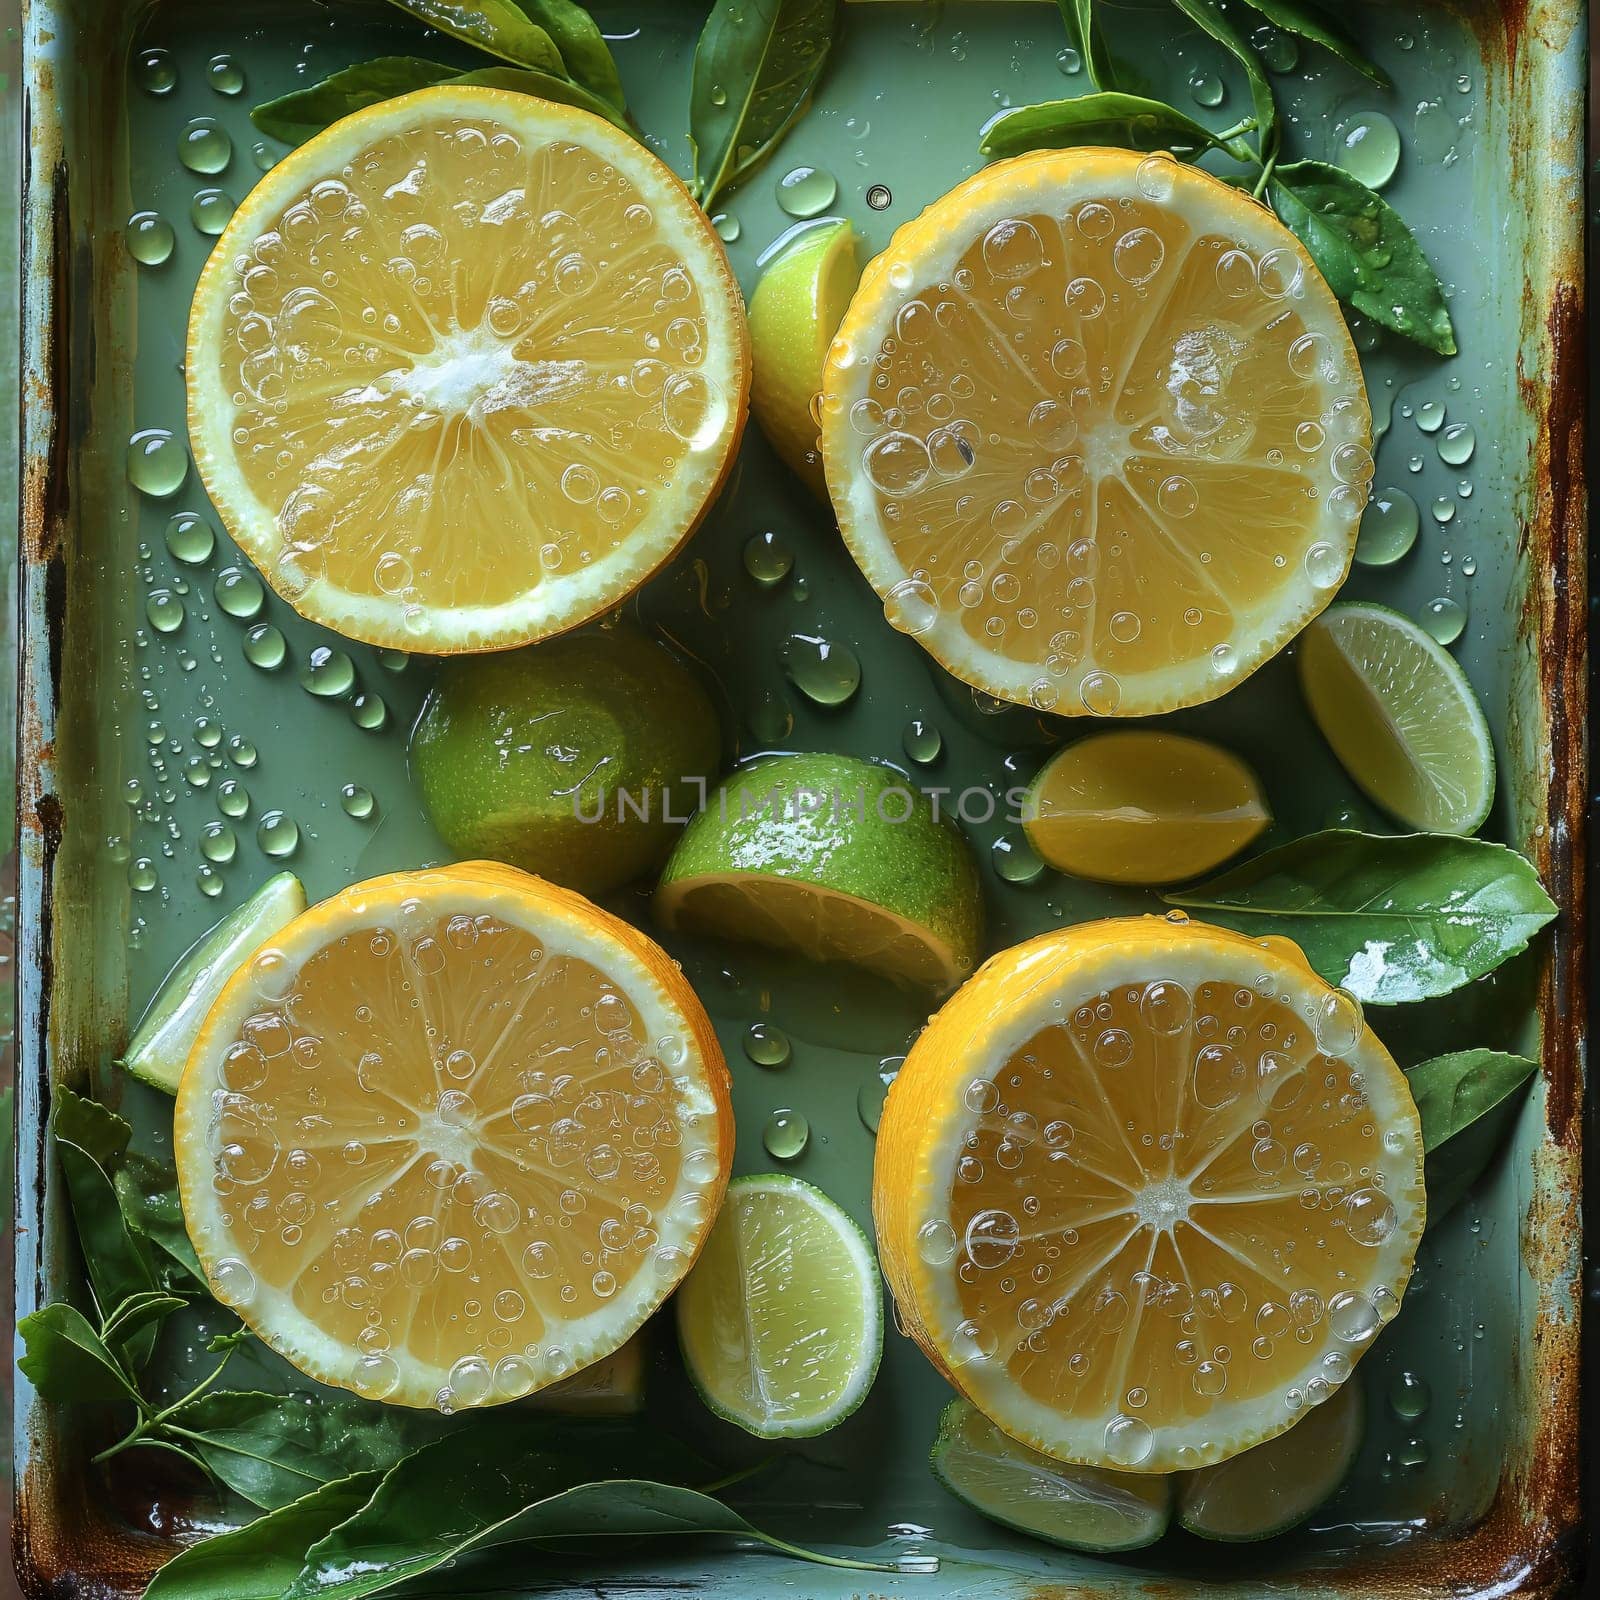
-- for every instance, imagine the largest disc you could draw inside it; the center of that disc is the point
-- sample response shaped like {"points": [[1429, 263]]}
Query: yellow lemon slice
{"points": [[1096, 433], [1146, 1190], [464, 370], [451, 1136]]}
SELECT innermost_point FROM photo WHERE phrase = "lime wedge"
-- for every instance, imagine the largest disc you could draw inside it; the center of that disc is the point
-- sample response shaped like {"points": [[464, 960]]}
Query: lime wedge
{"points": [[160, 1045], [1400, 715], [1277, 1485], [794, 313], [781, 1319], [1083, 1508], [835, 858]]}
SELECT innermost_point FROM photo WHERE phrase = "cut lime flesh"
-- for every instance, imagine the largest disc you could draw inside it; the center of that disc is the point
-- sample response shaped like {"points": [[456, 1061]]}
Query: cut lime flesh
{"points": [[1400, 715], [160, 1045], [1082, 1508], [1277, 1485], [781, 1319]]}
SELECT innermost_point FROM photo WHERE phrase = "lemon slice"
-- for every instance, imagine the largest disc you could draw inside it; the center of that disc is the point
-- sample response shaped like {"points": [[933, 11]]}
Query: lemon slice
{"points": [[1096, 433], [1082, 1508], [781, 1321], [464, 370], [1145, 1191], [1276, 1486], [451, 1136], [1136, 806], [161, 1043], [1401, 717]]}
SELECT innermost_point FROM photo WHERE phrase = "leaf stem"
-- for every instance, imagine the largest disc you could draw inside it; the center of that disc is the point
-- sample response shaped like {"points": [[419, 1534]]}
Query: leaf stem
{"points": [[199, 1389], [784, 1547], [1266, 175]]}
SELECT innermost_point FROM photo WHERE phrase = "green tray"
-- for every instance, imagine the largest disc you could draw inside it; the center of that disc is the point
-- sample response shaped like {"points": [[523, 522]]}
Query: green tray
{"points": [[1489, 101]]}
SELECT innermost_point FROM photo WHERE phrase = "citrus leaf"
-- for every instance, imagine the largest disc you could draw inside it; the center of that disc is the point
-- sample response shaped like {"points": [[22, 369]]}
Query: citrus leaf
{"points": [[497, 27], [1309, 23], [144, 1310], [754, 69], [583, 47], [1212, 19], [1390, 918], [1467, 1101], [147, 1192], [115, 1259], [1089, 41], [296, 116], [66, 1360], [1128, 121], [271, 1449], [91, 1126], [545, 87], [1364, 250], [259, 1561]]}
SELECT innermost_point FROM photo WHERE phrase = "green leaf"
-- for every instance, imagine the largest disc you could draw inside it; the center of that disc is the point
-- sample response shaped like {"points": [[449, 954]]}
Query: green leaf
{"points": [[66, 1360], [145, 1310], [1390, 918], [271, 1449], [94, 1128], [754, 69], [1211, 18], [260, 1560], [296, 116], [1128, 121], [114, 1258], [583, 47], [147, 1191], [1293, 17], [497, 27], [1083, 29], [1466, 1101], [1364, 250]]}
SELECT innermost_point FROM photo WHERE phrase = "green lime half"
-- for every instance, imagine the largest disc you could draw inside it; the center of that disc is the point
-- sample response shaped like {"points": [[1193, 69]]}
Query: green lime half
{"points": [[160, 1044], [576, 759], [1277, 1485], [838, 859], [1400, 715], [1083, 1508], [781, 1319]]}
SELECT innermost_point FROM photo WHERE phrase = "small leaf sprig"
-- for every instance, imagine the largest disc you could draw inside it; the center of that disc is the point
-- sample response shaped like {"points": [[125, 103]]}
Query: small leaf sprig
{"points": [[1360, 244], [549, 48]]}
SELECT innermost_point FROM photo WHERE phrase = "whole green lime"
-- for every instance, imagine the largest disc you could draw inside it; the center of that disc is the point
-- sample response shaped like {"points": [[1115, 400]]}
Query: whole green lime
{"points": [[578, 759]]}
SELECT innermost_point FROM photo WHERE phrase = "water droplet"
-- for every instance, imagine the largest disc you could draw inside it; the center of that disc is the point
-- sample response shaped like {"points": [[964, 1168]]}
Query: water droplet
{"points": [[150, 238], [265, 647], [209, 211], [768, 558], [922, 741], [165, 611], [1409, 1396], [1444, 619], [807, 191], [1015, 861], [1101, 693], [1013, 249], [936, 1243], [1129, 1440], [233, 799], [1388, 528], [1324, 564], [241, 751], [278, 834], [1069, 61], [233, 1281], [239, 593], [911, 607], [825, 672], [874, 1091], [785, 1134], [727, 226], [1430, 416], [1369, 1216], [142, 874], [157, 462], [1457, 443], [1444, 510], [190, 539], [264, 156], [209, 882], [369, 713], [226, 75], [1278, 50], [329, 674], [218, 842], [156, 71], [1369, 148], [767, 1045], [204, 146], [1206, 89], [357, 801]]}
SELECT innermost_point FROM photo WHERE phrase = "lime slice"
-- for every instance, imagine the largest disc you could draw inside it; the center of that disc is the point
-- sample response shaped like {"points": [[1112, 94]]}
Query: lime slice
{"points": [[1143, 807], [1083, 1508], [1277, 1485], [835, 858], [794, 313], [781, 1319], [160, 1045], [1400, 715]]}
